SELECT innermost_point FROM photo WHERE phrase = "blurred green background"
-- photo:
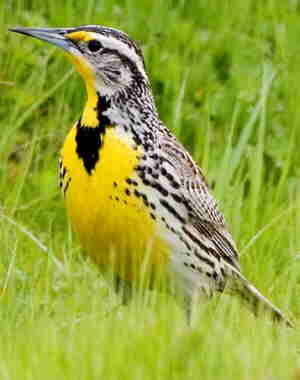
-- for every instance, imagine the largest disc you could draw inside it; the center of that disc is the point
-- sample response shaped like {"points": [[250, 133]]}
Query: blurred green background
{"points": [[225, 75]]}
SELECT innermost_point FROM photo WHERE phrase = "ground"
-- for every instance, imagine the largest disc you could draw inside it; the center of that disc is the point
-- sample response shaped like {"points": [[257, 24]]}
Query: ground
{"points": [[226, 80]]}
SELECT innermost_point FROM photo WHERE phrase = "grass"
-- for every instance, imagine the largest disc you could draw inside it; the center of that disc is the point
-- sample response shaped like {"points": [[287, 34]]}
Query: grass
{"points": [[226, 79]]}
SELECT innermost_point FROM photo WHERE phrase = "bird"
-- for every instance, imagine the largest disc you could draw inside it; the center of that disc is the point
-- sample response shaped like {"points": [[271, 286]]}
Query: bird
{"points": [[134, 195]]}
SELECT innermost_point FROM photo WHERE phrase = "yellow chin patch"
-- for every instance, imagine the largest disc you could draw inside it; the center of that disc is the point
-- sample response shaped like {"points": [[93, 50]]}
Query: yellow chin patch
{"points": [[80, 63], [83, 68], [89, 116]]}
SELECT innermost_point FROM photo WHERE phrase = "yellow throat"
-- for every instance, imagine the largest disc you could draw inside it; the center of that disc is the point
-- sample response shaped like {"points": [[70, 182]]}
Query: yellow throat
{"points": [[114, 223]]}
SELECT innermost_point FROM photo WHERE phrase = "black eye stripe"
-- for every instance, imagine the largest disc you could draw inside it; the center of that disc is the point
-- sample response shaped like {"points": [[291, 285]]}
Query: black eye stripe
{"points": [[94, 45]]}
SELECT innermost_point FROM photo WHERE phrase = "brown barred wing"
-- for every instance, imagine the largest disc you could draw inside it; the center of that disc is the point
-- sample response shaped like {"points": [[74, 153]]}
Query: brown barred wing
{"points": [[202, 209]]}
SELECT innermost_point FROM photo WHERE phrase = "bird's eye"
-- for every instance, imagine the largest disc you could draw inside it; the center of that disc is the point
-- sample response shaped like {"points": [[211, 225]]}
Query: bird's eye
{"points": [[94, 45]]}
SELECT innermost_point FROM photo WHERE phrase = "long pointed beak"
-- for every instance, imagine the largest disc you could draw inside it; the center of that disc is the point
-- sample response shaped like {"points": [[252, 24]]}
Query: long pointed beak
{"points": [[55, 36]]}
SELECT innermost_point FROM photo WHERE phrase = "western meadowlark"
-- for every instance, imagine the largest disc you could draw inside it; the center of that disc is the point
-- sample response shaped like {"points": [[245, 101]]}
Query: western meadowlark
{"points": [[132, 192]]}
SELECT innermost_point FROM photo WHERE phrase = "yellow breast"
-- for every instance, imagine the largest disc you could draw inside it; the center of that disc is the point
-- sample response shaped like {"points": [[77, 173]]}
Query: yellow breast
{"points": [[114, 225]]}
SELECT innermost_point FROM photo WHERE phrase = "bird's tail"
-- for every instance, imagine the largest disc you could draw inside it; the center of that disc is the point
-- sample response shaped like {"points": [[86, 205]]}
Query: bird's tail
{"points": [[254, 299]]}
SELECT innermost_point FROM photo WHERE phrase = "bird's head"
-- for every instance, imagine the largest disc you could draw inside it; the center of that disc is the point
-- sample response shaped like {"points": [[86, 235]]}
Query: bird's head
{"points": [[107, 58]]}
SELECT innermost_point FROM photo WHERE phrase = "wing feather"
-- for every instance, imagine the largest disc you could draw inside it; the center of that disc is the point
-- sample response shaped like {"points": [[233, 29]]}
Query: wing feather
{"points": [[202, 209]]}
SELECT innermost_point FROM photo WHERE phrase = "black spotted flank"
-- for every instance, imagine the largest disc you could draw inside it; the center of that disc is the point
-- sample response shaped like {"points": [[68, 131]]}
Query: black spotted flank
{"points": [[67, 185], [160, 188], [63, 173], [170, 178], [145, 200], [172, 210], [152, 205], [131, 181], [153, 216], [177, 198]]}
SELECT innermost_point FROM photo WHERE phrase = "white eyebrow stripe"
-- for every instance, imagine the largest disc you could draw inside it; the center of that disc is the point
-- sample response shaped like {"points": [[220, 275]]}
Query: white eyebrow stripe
{"points": [[120, 46]]}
